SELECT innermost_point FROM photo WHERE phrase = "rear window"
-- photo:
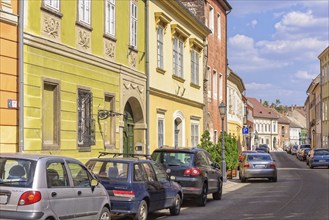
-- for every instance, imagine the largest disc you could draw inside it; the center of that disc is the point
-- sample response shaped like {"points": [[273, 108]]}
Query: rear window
{"points": [[255, 157], [321, 152], [16, 172], [173, 158], [109, 169]]}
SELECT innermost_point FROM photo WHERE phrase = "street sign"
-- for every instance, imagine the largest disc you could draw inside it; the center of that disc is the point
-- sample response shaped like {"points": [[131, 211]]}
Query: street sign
{"points": [[245, 131]]}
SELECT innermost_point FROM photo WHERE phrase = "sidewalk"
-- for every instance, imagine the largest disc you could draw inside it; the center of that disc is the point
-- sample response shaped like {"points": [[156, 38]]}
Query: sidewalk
{"points": [[232, 182]]}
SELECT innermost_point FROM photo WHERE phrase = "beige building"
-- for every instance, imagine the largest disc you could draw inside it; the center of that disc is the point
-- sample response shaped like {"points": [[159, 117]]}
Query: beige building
{"points": [[324, 83]]}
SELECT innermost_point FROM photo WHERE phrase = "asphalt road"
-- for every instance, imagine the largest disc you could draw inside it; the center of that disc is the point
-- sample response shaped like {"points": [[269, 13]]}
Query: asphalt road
{"points": [[301, 193]]}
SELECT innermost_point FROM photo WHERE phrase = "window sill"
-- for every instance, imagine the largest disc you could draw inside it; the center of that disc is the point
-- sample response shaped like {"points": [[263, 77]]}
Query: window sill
{"points": [[133, 48], [84, 149], [51, 11], [83, 25], [109, 37], [160, 70], [178, 78], [195, 86], [50, 147]]}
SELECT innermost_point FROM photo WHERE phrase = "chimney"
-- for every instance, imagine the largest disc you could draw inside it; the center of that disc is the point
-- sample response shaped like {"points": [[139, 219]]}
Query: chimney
{"points": [[261, 101]]}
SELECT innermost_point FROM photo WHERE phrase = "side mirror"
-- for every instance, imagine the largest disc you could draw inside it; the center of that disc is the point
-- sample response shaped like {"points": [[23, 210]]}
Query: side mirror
{"points": [[94, 183]]}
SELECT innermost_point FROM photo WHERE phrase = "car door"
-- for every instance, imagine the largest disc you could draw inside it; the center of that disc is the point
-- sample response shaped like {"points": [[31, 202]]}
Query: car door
{"points": [[87, 202], [61, 195], [154, 188], [207, 170], [214, 173]]}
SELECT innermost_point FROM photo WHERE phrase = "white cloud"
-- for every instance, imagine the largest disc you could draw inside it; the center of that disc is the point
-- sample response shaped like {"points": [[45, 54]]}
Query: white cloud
{"points": [[304, 75], [258, 86], [253, 23]]}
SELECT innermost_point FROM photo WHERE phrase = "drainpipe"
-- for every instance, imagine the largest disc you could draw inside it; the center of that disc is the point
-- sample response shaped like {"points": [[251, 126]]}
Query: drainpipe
{"points": [[147, 69], [225, 98], [21, 75]]}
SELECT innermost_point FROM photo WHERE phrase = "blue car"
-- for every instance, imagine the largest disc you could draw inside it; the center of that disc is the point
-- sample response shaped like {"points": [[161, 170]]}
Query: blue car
{"points": [[318, 157], [137, 186]]}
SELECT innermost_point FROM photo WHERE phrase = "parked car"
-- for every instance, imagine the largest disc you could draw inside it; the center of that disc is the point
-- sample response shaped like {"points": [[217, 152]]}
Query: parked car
{"points": [[258, 165], [49, 187], [242, 155], [137, 186], [260, 150], [318, 157], [293, 150], [300, 152], [304, 153], [194, 170], [265, 147]]}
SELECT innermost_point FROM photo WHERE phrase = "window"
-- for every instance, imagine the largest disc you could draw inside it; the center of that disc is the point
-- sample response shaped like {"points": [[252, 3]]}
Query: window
{"points": [[86, 126], [53, 4], [133, 24], [160, 131], [209, 81], [109, 123], [159, 172], [151, 177], [81, 177], [195, 67], [220, 87], [194, 134], [110, 17], [214, 84], [219, 31], [84, 11], [178, 57], [50, 115], [211, 18], [160, 47], [56, 175]]}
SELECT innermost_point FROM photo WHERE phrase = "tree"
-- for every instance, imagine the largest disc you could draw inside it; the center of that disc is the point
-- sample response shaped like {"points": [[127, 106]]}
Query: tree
{"points": [[265, 103]]}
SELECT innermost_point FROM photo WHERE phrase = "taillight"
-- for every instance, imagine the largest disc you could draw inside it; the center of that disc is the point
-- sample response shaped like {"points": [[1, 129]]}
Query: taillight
{"points": [[246, 165], [272, 165], [124, 193], [192, 172], [29, 197]]}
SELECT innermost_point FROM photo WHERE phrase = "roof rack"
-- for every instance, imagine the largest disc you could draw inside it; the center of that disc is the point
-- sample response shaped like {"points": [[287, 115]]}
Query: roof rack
{"points": [[147, 156]]}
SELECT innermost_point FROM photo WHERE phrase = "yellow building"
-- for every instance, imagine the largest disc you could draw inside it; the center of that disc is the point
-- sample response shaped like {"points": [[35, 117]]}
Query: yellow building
{"points": [[236, 106], [80, 58], [176, 41], [9, 77], [324, 66]]}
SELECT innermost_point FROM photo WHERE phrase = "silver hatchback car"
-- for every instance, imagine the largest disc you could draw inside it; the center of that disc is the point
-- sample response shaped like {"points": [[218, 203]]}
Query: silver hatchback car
{"points": [[49, 187], [258, 165]]}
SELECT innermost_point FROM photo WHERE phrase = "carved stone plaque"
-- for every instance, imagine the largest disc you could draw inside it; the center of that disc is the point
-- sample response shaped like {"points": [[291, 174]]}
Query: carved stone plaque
{"points": [[83, 39], [109, 49], [50, 26]]}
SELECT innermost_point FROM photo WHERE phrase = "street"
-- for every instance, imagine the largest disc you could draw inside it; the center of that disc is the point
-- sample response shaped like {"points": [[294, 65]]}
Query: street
{"points": [[300, 193]]}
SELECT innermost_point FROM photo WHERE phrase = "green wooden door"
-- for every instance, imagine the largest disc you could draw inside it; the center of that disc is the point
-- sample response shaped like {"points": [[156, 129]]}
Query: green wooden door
{"points": [[128, 131]]}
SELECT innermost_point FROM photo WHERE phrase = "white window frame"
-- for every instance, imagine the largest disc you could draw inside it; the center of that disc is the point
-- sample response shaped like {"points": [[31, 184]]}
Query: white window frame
{"points": [[219, 27], [214, 84], [160, 33], [53, 4], [133, 24], [178, 56], [84, 11], [209, 81], [195, 127], [211, 18], [194, 67], [220, 87], [160, 117], [110, 21]]}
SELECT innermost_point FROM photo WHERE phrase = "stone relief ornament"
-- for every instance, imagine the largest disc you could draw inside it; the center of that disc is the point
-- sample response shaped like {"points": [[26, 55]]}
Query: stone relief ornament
{"points": [[51, 27], [133, 59], [109, 49], [84, 39]]}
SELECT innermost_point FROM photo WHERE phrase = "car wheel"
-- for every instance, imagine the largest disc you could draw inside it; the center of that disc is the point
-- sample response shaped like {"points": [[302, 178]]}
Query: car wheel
{"points": [[105, 214], [175, 209], [142, 211], [243, 179], [218, 195], [202, 200]]}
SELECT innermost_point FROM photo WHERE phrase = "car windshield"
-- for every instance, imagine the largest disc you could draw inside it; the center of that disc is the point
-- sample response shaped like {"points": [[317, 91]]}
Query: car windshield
{"points": [[173, 158], [16, 172], [259, 157], [112, 170]]}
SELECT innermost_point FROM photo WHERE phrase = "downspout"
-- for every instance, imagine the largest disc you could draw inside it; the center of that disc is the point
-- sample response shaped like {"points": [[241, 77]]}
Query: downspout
{"points": [[21, 75], [229, 11], [147, 70]]}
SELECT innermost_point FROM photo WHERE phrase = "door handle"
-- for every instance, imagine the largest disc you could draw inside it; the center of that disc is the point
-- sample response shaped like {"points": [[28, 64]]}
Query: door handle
{"points": [[79, 193], [53, 194]]}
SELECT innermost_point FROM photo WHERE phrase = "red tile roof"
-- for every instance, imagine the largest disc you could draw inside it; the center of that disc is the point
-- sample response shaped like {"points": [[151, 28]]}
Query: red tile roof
{"points": [[260, 111]]}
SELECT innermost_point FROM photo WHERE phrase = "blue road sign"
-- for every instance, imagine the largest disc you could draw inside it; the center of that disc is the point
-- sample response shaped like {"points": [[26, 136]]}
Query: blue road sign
{"points": [[245, 130]]}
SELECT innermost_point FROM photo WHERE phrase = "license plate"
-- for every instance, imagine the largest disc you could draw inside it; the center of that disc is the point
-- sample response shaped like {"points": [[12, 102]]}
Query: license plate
{"points": [[3, 199], [321, 161], [259, 166]]}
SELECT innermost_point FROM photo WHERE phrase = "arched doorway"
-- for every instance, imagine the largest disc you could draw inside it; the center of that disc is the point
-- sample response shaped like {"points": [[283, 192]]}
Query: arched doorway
{"points": [[128, 130]]}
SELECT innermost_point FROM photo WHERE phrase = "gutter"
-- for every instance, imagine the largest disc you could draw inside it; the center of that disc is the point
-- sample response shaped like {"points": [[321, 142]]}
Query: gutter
{"points": [[21, 75], [225, 98], [147, 70]]}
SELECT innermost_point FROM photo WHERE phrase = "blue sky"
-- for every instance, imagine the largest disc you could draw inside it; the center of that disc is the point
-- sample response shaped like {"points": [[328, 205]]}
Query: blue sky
{"points": [[274, 46]]}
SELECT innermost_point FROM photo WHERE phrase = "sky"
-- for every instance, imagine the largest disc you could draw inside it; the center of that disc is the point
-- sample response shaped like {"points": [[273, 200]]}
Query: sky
{"points": [[273, 45]]}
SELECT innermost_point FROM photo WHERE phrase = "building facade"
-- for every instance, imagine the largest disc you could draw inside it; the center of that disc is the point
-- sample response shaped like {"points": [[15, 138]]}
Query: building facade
{"points": [[324, 81], [9, 76], [176, 79], [213, 13], [265, 125], [236, 107], [84, 79]]}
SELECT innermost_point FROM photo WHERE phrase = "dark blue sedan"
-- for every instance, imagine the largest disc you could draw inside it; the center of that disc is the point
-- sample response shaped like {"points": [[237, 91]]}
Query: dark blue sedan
{"points": [[318, 157], [137, 186]]}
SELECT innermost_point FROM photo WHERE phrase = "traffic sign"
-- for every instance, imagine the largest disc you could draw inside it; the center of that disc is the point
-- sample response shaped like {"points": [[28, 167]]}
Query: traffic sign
{"points": [[245, 131]]}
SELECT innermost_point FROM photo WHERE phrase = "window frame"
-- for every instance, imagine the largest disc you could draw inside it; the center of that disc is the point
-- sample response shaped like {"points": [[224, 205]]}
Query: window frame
{"points": [[160, 117], [133, 24], [178, 57], [219, 27], [84, 12], [211, 18], [160, 57], [111, 120], [110, 18], [195, 133], [49, 4], [195, 65]]}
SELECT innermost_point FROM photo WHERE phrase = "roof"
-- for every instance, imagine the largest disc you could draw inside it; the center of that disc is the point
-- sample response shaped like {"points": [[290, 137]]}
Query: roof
{"points": [[33, 156], [260, 111]]}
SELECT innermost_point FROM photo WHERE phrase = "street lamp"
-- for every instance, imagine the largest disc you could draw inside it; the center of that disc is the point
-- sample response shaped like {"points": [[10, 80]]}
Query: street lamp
{"points": [[222, 112]]}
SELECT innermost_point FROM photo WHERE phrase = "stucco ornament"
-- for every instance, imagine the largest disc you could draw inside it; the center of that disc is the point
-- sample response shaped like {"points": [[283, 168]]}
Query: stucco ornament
{"points": [[51, 27], [133, 59], [84, 39], [109, 49]]}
